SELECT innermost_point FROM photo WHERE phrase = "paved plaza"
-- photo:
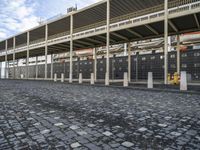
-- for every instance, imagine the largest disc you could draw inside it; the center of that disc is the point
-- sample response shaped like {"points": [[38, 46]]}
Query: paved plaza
{"points": [[46, 115]]}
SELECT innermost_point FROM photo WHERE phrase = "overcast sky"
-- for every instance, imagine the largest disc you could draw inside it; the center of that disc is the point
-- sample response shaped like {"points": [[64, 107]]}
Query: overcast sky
{"points": [[20, 15]]}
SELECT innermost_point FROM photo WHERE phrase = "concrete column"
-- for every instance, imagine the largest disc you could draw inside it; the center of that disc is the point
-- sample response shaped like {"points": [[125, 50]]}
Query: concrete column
{"points": [[52, 62], [95, 64], [92, 79], [71, 50], [129, 62], [183, 84], [150, 80], [108, 45], [46, 50], [125, 79], [14, 57], [27, 59], [178, 54], [166, 44], [80, 81], [62, 77], [136, 68], [36, 69], [125, 49], [6, 60]]}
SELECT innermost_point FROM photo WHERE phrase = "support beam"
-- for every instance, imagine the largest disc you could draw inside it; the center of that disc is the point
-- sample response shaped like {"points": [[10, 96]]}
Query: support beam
{"points": [[95, 41], [134, 33], [27, 53], [84, 43], [95, 63], [129, 62], [14, 57], [46, 51], [6, 60], [71, 50], [36, 67], [173, 26], [104, 38], [120, 36], [152, 29], [166, 44], [197, 20], [52, 62], [107, 77], [178, 54]]}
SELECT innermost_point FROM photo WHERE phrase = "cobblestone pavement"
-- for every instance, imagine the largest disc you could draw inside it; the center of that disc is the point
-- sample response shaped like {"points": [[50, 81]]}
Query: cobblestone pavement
{"points": [[46, 115]]}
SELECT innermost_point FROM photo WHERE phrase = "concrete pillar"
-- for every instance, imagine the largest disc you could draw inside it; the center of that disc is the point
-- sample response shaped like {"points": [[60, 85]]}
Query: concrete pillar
{"points": [[136, 68], [80, 81], [36, 67], [125, 79], [108, 45], [46, 50], [129, 62], [14, 57], [55, 77], [183, 84], [125, 49], [71, 50], [62, 77], [95, 64], [166, 44], [52, 62], [92, 79], [178, 54], [6, 60], [150, 80], [27, 59]]}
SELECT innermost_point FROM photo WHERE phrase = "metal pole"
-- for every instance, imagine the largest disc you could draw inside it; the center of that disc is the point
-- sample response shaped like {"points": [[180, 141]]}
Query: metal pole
{"points": [[108, 44], [71, 50], [27, 59], [14, 57], [178, 54], [166, 43], [95, 64], [52, 66], [46, 50], [6, 59], [129, 62]]}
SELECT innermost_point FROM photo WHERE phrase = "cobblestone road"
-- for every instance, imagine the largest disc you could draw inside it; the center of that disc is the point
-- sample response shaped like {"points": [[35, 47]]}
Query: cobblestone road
{"points": [[45, 115]]}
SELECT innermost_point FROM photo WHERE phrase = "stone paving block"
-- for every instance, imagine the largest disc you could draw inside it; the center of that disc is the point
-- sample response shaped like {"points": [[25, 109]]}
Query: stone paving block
{"points": [[42, 115]]}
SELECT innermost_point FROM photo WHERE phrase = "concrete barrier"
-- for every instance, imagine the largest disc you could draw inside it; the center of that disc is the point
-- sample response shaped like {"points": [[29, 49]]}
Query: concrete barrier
{"points": [[183, 84], [80, 81], [150, 80], [22, 76], [55, 77], [62, 77], [92, 79], [125, 79], [106, 79]]}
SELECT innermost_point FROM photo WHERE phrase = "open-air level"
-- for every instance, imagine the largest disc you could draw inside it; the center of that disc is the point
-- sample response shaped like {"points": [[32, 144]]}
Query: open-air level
{"points": [[105, 23]]}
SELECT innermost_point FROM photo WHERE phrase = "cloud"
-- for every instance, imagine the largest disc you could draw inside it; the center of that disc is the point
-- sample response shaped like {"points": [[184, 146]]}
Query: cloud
{"points": [[20, 15], [17, 15]]}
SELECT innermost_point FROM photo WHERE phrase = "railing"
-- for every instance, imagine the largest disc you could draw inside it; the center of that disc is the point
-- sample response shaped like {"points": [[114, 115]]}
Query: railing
{"points": [[177, 6]]}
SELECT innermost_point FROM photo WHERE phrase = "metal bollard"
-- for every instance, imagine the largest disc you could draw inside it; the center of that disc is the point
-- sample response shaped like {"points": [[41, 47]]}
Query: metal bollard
{"points": [[125, 79], [150, 80], [80, 81], [55, 77]]}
